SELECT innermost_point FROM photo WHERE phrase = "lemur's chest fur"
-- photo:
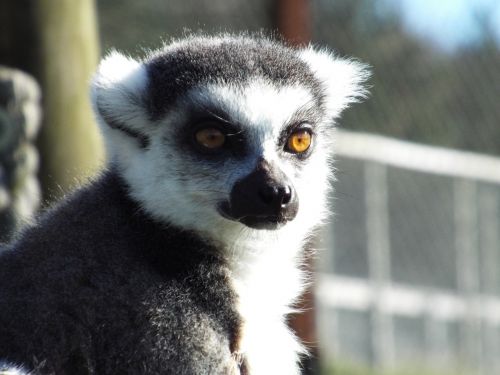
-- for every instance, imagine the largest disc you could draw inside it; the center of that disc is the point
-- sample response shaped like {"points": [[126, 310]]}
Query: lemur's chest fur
{"points": [[266, 286]]}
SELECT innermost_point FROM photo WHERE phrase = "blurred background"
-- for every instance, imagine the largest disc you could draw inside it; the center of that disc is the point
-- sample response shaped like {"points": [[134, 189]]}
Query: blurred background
{"points": [[408, 281]]}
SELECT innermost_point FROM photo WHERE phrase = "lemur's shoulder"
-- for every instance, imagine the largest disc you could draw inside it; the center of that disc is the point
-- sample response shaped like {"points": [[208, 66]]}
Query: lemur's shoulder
{"points": [[99, 229], [92, 218], [95, 266]]}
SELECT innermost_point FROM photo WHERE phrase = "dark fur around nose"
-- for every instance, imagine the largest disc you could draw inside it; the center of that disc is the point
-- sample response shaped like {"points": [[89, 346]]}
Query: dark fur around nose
{"points": [[264, 199]]}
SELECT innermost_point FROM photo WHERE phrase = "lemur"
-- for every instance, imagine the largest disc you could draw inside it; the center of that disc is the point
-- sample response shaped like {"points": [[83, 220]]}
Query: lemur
{"points": [[183, 257]]}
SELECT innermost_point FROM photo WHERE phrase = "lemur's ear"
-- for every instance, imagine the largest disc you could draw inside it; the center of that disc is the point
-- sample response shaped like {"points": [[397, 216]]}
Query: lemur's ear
{"points": [[9, 369], [117, 93], [342, 78]]}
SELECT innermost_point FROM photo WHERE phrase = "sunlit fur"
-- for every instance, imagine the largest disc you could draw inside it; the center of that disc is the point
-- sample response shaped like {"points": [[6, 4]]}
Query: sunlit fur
{"points": [[10, 369], [180, 189]]}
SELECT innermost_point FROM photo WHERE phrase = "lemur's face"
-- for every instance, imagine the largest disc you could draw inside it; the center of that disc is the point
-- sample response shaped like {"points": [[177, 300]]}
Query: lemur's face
{"points": [[218, 133], [246, 148]]}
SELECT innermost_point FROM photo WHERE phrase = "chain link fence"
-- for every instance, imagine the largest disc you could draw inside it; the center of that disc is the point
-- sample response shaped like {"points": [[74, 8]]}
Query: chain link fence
{"points": [[413, 275]]}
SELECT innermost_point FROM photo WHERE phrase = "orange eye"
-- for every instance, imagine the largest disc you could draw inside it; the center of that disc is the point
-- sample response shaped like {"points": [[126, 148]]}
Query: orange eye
{"points": [[299, 141], [210, 138]]}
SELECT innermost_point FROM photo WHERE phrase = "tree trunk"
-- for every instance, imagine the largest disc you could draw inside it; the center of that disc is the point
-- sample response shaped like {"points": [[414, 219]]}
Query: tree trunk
{"points": [[70, 143]]}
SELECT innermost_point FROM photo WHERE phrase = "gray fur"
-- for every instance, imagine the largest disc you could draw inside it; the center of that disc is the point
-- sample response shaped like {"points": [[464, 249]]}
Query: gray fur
{"points": [[233, 61], [140, 272], [98, 288]]}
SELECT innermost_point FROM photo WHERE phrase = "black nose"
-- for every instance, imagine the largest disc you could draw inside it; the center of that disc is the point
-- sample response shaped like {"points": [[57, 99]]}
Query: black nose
{"points": [[275, 195], [264, 199]]}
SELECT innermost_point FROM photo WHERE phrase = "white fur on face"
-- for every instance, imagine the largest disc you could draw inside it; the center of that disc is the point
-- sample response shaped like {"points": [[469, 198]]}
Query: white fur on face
{"points": [[163, 181], [117, 88], [343, 79], [178, 188], [186, 191]]}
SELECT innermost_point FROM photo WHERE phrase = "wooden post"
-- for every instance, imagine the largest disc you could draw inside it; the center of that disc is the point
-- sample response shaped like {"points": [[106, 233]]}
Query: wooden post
{"points": [[70, 142], [294, 20]]}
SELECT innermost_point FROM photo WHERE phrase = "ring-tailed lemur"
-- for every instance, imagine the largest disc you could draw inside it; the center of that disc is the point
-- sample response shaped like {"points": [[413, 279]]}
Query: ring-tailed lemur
{"points": [[183, 256]]}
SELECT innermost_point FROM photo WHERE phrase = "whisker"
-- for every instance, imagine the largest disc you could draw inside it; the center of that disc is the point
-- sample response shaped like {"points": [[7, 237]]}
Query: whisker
{"points": [[218, 117]]}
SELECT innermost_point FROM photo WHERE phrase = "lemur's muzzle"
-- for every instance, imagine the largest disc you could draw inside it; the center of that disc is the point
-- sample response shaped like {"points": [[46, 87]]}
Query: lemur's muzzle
{"points": [[264, 199]]}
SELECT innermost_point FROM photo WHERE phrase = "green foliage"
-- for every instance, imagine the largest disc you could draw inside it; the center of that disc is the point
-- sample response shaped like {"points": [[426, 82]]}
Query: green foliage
{"points": [[148, 22], [417, 92]]}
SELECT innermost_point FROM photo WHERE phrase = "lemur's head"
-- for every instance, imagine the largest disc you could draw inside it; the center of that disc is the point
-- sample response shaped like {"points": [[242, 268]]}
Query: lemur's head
{"points": [[227, 133]]}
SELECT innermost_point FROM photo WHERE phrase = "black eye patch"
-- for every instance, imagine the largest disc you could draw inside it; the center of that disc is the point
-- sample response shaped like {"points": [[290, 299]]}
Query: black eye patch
{"points": [[208, 133]]}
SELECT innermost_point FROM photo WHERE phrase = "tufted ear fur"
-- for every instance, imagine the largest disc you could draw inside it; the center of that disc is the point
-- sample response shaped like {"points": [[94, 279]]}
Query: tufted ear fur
{"points": [[9, 369], [117, 93], [342, 78]]}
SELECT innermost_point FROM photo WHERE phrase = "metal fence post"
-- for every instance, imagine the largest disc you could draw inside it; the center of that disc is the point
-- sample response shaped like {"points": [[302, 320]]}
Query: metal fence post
{"points": [[377, 224], [489, 238], [466, 237]]}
